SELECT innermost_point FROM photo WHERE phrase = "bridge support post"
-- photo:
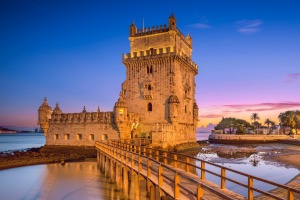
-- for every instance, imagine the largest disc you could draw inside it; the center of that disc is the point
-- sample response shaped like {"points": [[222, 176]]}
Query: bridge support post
{"points": [[136, 180], [125, 182], [106, 168], [112, 170], [118, 177]]}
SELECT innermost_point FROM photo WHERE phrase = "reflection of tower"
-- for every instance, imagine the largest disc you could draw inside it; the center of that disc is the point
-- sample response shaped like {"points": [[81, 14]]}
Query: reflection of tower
{"points": [[44, 113]]}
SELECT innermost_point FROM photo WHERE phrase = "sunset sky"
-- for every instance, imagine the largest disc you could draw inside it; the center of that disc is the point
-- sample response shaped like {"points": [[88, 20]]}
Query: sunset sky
{"points": [[248, 53]]}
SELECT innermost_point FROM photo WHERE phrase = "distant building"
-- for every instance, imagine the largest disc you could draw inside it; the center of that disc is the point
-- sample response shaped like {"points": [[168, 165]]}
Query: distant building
{"points": [[157, 99]]}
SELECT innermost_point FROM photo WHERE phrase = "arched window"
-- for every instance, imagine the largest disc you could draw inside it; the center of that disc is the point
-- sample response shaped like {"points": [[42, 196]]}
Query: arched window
{"points": [[185, 108], [149, 87], [149, 107]]}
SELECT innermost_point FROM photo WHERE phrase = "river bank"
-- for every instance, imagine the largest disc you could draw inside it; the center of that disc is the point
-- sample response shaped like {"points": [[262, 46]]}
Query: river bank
{"points": [[44, 155]]}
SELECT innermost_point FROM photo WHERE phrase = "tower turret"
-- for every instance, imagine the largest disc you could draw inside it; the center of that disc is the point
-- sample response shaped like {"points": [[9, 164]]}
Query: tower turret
{"points": [[172, 22], [44, 115], [57, 110], [120, 114], [173, 108], [132, 29], [195, 114]]}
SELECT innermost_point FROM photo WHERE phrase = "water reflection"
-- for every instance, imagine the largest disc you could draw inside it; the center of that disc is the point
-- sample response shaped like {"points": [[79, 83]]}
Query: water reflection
{"points": [[251, 164], [54, 181]]}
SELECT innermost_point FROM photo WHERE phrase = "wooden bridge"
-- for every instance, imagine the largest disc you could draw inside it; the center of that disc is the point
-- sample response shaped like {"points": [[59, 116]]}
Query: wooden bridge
{"points": [[173, 175]]}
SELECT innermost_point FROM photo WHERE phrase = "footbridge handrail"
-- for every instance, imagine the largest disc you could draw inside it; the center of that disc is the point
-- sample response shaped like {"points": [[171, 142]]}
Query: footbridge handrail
{"points": [[162, 158]]}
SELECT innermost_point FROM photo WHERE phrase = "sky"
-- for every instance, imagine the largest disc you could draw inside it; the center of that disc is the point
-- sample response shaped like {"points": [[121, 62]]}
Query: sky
{"points": [[70, 51]]}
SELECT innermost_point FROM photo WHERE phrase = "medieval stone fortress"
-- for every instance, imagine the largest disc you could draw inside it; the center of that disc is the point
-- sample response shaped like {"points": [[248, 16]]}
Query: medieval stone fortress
{"points": [[157, 100]]}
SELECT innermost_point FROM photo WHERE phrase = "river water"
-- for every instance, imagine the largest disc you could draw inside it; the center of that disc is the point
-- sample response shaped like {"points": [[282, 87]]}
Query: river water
{"points": [[83, 180]]}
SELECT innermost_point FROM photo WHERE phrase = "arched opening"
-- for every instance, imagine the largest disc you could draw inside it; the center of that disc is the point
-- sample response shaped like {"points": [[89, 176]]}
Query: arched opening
{"points": [[149, 107], [185, 108], [149, 87], [151, 70]]}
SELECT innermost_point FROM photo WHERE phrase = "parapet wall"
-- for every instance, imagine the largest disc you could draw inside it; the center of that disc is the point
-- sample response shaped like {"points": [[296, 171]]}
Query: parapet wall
{"points": [[242, 139]]}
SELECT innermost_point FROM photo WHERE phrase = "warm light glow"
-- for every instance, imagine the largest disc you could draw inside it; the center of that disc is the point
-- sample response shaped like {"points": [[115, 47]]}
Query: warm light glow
{"points": [[121, 111]]}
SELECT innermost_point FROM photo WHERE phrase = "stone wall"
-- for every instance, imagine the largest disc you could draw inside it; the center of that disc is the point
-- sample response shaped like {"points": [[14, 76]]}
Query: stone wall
{"points": [[80, 134]]}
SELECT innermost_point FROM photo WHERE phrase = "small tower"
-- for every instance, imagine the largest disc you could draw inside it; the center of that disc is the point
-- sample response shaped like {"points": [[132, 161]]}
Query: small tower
{"points": [[120, 114], [195, 114], [172, 22], [44, 115], [173, 108], [132, 29], [57, 110]]}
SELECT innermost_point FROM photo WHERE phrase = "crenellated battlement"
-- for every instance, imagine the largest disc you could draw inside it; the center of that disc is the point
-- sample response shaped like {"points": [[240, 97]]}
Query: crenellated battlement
{"points": [[158, 53], [150, 30], [83, 117]]}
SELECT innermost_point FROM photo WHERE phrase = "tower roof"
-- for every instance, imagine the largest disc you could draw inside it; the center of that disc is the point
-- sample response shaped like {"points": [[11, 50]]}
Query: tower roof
{"points": [[57, 109]]}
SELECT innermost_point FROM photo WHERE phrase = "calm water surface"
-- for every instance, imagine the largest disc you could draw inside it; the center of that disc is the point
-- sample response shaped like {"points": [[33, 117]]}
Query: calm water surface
{"points": [[73, 181], [21, 141], [84, 180]]}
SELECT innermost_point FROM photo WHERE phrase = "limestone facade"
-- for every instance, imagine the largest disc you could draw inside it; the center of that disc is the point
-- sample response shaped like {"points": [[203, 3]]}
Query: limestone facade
{"points": [[157, 99]]}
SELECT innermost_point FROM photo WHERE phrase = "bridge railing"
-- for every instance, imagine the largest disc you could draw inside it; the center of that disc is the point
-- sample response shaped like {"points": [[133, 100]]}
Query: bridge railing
{"points": [[134, 158], [189, 162]]}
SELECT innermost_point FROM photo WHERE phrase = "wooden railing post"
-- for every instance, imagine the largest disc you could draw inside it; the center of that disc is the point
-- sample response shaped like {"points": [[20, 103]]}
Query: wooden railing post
{"points": [[165, 157], [250, 185], [175, 160], [132, 161], [202, 170], [134, 149], [199, 192], [144, 151], [140, 167], [176, 186], [187, 165], [126, 158], [160, 177], [157, 155], [148, 168], [290, 195], [140, 150], [223, 178], [150, 153]]}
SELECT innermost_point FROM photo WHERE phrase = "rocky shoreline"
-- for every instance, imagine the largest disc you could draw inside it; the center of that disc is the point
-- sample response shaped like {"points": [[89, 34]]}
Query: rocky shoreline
{"points": [[46, 154]]}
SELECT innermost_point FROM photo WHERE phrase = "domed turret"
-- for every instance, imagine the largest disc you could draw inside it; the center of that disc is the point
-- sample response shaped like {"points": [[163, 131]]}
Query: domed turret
{"points": [[44, 115], [195, 114], [57, 110], [132, 29], [173, 108], [172, 22], [120, 114]]}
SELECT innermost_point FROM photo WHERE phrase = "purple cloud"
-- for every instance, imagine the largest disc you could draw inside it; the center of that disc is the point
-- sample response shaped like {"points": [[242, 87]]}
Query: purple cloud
{"points": [[199, 26], [292, 77], [248, 26], [262, 106]]}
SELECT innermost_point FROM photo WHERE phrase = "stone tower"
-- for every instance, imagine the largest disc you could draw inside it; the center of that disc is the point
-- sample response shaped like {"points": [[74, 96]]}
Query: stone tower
{"points": [[160, 81], [44, 116]]}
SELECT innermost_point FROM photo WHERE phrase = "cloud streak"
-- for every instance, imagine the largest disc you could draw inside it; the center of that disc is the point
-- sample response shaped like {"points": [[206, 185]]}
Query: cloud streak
{"points": [[261, 106], [248, 27], [199, 26], [292, 77], [210, 116]]}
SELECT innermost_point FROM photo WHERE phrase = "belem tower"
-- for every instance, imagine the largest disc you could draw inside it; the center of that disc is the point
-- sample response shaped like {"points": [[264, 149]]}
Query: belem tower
{"points": [[157, 100]]}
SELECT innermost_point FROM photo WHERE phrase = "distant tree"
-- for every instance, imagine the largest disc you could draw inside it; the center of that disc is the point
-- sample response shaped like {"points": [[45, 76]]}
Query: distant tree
{"points": [[256, 124], [290, 119], [269, 122], [233, 125]]}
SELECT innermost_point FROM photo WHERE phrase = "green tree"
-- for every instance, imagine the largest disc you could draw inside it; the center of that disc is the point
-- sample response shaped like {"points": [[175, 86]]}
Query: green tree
{"points": [[269, 122], [256, 124], [233, 125], [290, 119]]}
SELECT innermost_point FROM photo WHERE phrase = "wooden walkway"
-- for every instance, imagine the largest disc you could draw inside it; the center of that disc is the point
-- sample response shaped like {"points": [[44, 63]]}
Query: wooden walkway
{"points": [[173, 175]]}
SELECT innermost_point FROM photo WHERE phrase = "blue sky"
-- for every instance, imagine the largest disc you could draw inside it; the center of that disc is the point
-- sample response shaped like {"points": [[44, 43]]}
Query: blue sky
{"points": [[248, 53]]}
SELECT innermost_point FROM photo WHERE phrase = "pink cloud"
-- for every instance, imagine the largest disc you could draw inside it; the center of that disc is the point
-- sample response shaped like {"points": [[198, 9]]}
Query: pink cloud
{"points": [[210, 116], [262, 106], [292, 77]]}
